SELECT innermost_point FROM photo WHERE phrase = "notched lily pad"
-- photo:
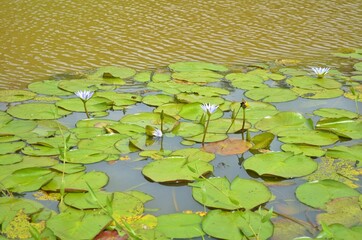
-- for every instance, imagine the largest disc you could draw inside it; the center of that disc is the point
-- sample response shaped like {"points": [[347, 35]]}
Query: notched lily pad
{"points": [[15, 95], [37, 111], [271, 94]]}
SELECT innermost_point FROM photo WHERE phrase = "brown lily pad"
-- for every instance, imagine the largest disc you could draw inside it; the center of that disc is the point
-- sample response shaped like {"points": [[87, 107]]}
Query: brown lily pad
{"points": [[228, 146]]}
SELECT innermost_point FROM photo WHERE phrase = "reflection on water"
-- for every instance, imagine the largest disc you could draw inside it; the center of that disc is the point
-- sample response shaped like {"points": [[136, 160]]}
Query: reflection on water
{"points": [[40, 38]]}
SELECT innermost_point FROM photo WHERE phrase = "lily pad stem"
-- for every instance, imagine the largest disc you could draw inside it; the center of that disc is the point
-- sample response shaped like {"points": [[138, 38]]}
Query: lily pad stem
{"points": [[85, 108], [207, 125], [233, 119]]}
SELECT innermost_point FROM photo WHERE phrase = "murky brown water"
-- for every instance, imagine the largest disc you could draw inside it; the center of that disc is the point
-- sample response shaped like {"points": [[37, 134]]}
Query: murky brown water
{"points": [[40, 38]]}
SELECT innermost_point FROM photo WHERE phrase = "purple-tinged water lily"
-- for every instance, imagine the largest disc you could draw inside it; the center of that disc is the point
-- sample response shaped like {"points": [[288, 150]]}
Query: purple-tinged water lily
{"points": [[157, 133], [84, 95], [209, 108], [320, 72]]}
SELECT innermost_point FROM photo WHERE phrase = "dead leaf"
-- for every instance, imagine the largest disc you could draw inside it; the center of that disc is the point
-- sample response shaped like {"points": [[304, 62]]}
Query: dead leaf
{"points": [[228, 146]]}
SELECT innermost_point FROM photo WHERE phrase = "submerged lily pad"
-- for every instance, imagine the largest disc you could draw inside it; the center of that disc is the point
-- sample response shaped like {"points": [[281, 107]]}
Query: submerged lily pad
{"points": [[37, 111], [281, 164], [316, 194], [220, 193], [15, 95]]}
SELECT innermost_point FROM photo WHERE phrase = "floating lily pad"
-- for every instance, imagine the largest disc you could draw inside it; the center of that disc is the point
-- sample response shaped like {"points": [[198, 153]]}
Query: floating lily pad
{"points": [[11, 147], [246, 81], [313, 83], [143, 76], [173, 169], [95, 104], [68, 168], [271, 94], [343, 127], [188, 129], [113, 72], [228, 147], [318, 94], [194, 154], [77, 182], [78, 84], [209, 91], [105, 144], [281, 164], [200, 76], [346, 211], [85, 156], [170, 87], [78, 225], [220, 193], [351, 153], [316, 194], [120, 99], [196, 66], [48, 87], [10, 159], [349, 53], [15, 95], [173, 225], [236, 225], [171, 109], [312, 137], [157, 100], [307, 150], [210, 137], [335, 113], [256, 111], [193, 111], [221, 125], [152, 119], [282, 121], [37, 111], [27, 179]]}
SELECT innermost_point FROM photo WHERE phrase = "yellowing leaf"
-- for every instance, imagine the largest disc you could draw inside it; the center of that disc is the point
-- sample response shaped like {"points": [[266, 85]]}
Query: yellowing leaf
{"points": [[228, 147]]}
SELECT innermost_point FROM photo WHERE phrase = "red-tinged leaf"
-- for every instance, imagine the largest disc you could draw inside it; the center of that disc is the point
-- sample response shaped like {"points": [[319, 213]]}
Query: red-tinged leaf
{"points": [[228, 147]]}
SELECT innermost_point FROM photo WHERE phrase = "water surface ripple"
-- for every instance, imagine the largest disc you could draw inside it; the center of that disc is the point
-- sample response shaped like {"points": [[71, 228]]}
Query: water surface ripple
{"points": [[40, 38]]}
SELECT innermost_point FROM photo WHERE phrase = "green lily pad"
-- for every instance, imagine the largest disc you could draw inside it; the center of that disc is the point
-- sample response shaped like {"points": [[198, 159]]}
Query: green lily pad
{"points": [[173, 225], [78, 84], [237, 225], [246, 81], [307, 150], [221, 125], [48, 87], [95, 104], [210, 137], [170, 87], [313, 83], [10, 159], [171, 109], [27, 162], [341, 232], [152, 119], [10, 206], [345, 210], [27, 179], [193, 111], [343, 127], [113, 72], [192, 98], [120, 99], [282, 121], [11, 147], [188, 129], [77, 182], [194, 154], [157, 100], [312, 137], [37, 111], [105, 143], [316, 194], [271, 94], [176, 168], [358, 66], [256, 111], [239, 194], [350, 153], [15, 95], [85, 156], [281, 164], [197, 76], [196, 66], [318, 94], [78, 225], [143, 76], [335, 113], [209, 91], [349, 53], [68, 168]]}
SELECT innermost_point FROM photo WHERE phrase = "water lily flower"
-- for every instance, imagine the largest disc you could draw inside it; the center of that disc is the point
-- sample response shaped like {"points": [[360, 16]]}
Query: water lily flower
{"points": [[157, 133], [320, 71], [84, 95], [209, 108]]}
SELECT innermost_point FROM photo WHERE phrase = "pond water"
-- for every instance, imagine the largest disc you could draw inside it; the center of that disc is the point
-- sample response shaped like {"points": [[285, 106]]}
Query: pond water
{"points": [[42, 38], [54, 40]]}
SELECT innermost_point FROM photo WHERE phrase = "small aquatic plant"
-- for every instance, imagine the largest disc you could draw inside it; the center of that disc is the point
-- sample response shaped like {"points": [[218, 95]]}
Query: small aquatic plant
{"points": [[320, 72], [84, 96], [209, 109]]}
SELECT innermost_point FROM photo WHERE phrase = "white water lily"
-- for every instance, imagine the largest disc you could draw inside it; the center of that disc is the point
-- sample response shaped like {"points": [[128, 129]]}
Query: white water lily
{"points": [[84, 95], [209, 108], [157, 133], [320, 71]]}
